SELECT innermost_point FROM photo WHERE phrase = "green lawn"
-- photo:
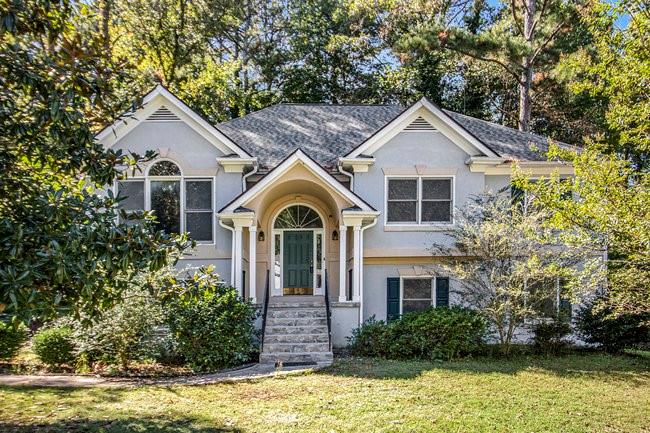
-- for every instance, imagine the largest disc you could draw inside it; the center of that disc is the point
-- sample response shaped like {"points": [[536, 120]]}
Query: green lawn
{"points": [[591, 393]]}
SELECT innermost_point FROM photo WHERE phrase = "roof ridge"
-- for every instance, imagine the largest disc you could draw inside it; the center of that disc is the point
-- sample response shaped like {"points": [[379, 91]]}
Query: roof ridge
{"points": [[328, 104], [509, 128]]}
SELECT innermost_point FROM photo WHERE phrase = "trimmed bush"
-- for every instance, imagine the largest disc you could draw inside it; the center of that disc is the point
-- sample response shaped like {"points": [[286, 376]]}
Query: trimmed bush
{"points": [[213, 328], [437, 333], [549, 337], [54, 346], [11, 338], [598, 325]]}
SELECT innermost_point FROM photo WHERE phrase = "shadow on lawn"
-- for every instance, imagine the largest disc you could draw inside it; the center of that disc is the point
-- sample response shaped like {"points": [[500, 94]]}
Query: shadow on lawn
{"points": [[598, 366], [140, 425]]}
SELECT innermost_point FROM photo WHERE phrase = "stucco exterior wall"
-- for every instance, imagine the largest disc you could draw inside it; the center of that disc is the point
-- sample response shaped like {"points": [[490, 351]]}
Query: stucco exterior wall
{"points": [[407, 153], [196, 157]]}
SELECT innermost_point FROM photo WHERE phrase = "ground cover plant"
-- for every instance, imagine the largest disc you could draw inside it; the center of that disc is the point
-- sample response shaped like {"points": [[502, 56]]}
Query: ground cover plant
{"points": [[588, 393]]}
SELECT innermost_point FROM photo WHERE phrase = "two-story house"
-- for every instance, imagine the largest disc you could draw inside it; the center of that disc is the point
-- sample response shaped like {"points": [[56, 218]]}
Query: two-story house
{"points": [[328, 212]]}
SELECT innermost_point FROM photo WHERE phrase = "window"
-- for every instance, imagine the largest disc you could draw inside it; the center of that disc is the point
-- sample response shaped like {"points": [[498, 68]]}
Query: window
{"points": [[180, 204], [419, 200], [550, 298], [421, 293]]}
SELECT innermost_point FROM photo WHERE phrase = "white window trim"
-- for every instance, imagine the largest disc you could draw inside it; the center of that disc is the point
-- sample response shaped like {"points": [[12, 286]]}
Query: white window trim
{"points": [[182, 179], [434, 289], [419, 225]]}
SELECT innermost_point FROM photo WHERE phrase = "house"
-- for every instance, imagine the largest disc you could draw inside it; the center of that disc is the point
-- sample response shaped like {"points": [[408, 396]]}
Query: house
{"points": [[325, 211]]}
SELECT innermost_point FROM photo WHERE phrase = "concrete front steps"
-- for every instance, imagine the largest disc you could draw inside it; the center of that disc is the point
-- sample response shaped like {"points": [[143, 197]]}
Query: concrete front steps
{"points": [[296, 331]]}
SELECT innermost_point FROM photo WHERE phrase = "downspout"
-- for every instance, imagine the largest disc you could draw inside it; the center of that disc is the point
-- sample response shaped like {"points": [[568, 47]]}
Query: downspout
{"points": [[250, 173], [232, 251], [346, 173], [363, 229]]}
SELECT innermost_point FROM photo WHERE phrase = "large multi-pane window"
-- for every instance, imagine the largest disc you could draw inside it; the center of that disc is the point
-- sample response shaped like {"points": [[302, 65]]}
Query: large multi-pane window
{"points": [[419, 200], [180, 204]]}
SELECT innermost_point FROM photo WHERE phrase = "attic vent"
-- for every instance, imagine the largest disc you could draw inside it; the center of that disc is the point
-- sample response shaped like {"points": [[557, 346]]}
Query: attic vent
{"points": [[163, 114], [420, 124]]}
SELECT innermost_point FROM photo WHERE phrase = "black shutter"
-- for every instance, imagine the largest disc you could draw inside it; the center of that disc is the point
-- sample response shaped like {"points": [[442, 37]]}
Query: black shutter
{"points": [[392, 291], [442, 292]]}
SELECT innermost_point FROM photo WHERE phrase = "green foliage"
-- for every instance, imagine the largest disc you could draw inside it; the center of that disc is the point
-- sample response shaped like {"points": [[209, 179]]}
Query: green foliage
{"points": [[61, 245], [12, 336], [438, 333], [212, 326], [124, 333], [549, 337], [598, 325], [505, 260], [615, 68], [54, 346], [610, 213]]}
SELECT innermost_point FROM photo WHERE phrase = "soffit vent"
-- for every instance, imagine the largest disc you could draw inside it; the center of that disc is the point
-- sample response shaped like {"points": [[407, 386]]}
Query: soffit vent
{"points": [[163, 114], [420, 124]]}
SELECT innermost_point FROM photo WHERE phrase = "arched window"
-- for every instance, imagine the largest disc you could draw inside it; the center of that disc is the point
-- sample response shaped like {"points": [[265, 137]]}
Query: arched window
{"points": [[298, 217], [164, 168], [180, 203]]}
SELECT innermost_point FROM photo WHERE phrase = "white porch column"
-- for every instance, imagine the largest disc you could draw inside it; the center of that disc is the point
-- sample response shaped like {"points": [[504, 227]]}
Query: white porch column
{"points": [[252, 262], [356, 268], [343, 237], [238, 260]]}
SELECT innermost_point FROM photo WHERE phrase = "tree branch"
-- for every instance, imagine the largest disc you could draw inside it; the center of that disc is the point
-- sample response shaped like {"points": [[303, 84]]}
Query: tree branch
{"points": [[541, 16], [515, 74], [515, 19], [547, 41]]}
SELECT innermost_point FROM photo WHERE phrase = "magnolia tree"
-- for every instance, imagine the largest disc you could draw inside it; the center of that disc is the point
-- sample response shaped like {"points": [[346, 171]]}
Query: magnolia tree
{"points": [[508, 264]]}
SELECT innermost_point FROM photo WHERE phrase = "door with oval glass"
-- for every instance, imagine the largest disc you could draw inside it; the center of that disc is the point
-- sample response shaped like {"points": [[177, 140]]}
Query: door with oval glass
{"points": [[298, 262]]}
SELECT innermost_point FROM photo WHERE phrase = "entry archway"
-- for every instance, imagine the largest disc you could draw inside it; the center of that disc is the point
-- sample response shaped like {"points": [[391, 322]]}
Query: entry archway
{"points": [[298, 250]]}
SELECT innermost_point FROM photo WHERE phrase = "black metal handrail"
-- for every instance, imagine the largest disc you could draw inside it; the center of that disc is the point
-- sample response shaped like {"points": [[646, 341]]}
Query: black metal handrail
{"points": [[265, 309], [327, 311]]}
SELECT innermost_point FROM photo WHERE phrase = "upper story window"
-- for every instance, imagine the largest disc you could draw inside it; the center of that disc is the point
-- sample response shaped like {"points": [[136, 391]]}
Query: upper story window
{"points": [[180, 203], [419, 200]]}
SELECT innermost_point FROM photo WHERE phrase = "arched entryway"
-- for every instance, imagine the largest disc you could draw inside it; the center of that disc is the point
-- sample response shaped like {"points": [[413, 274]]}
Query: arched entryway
{"points": [[298, 250]]}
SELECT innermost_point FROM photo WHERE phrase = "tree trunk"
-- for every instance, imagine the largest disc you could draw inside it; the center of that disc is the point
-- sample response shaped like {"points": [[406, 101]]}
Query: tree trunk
{"points": [[527, 73]]}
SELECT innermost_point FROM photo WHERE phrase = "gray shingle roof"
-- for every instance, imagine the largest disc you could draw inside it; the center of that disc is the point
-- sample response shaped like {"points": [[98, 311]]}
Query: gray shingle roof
{"points": [[327, 132]]}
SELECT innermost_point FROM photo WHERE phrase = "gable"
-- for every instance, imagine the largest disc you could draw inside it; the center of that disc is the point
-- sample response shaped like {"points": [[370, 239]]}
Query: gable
{"points": [[161, 106], [297, 166], [424, 116]]}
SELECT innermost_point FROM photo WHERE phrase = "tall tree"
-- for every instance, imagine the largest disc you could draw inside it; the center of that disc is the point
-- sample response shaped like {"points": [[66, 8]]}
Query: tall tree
{"points": [[518, 41], [62, 246], [615, 69]]}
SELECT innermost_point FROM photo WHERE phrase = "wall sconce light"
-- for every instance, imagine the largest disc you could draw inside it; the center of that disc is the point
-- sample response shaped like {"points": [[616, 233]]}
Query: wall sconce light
{"points": [[335, 235], [260, 236]]}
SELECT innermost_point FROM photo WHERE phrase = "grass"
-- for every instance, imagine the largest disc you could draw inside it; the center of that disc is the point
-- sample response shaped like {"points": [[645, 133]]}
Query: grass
{"points": [[590, 393]]}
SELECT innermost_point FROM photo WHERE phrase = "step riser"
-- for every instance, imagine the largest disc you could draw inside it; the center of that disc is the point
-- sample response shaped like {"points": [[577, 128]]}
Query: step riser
{"points": [[297, 305], [305, 321], [295, 347], [272, 358], [296, 338], [290, 330], [296, 313]]}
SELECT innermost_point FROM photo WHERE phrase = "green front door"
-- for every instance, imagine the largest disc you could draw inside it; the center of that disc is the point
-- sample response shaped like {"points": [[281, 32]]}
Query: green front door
{"points": [[298, 262]]}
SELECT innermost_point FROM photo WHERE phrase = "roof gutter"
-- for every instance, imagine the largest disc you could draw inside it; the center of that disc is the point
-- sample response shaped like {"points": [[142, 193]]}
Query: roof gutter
{"points": [[346, 173]]}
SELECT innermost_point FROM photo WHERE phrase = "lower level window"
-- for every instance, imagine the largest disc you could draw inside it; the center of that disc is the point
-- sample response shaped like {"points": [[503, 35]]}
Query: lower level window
{"points": [[419, 294]]}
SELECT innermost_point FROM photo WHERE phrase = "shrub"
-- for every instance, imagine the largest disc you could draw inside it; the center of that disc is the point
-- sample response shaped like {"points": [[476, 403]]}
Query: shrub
{"points": [[370, 339], [549, 336], [12, 336], [597, 325], [213, 328], [54, 346], [124, 333], [437, 333]]}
